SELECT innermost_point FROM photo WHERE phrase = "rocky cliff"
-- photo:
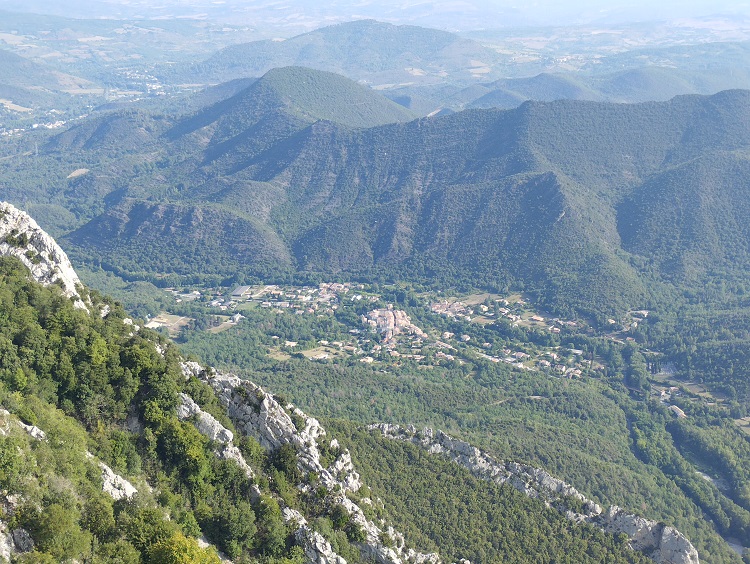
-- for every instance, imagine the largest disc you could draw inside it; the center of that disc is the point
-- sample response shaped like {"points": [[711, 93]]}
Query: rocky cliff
{"points": [[664, 544], [258, 414], [21, 237]]}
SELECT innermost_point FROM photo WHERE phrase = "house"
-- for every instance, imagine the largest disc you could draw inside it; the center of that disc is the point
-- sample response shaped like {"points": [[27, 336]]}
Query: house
{"points": [[678, 412], [241, 292], [236, 318]]}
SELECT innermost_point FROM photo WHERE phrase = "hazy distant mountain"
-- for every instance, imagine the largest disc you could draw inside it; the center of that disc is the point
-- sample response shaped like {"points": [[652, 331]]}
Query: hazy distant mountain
{"points": [[466, 15], [376, 52], [642, 84], [28, 84]]}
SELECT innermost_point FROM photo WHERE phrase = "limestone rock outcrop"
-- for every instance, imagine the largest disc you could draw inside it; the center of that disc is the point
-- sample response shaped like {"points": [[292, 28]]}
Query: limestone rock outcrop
{"points": [[16, 541], [662, 543], [115, 485], [209, 427], [317, 549], [258, 414], [21, 237], [32, 430], [206, 423]]}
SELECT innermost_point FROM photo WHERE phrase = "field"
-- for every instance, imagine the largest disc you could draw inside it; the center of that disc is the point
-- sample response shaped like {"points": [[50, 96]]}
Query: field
{"points": [[173, 323]]}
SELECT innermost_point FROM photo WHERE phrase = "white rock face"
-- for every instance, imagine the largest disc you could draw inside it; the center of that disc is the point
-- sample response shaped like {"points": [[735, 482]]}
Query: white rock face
{"points": [[206, 423], [664, 544], [208, 426], [6, 543], [21, 237], [191, 368], [115, 485], [317, 549], [257, 414], [32, 430]]}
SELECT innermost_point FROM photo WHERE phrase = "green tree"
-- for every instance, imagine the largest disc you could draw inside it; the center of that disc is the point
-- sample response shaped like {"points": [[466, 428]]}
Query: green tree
{"points": [[178, 549]]}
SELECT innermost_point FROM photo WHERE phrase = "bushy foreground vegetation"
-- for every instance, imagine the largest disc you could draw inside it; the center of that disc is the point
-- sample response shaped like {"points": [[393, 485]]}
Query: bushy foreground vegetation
{"points": [[79, 377]]}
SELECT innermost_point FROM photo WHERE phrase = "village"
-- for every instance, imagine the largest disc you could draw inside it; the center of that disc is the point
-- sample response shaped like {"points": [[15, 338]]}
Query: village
{"points": [[386, 334], [381, 334]]}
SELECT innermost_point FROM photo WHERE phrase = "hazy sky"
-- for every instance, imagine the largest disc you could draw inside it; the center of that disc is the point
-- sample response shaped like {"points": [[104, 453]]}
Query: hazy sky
{"points": [[447, 14]]}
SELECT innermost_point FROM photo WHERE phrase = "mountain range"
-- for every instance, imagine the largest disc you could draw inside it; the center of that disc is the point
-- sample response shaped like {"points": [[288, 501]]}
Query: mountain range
{"points": [[306, 171]]}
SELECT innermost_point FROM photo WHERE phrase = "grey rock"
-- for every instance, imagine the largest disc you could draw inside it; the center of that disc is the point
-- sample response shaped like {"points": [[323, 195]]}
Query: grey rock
{"points": [[33, 431], [231, 452], [44, 258], [664, 544], [22, 540], [191, 368], [256, 413], [7, 548], [208, 426], [206, 423], [113, 484], [317, 549]]}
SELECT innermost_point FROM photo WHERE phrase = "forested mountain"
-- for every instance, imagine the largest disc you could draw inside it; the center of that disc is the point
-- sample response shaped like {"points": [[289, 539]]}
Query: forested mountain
{"points": [[553, 196], [640, 84], [592, 207]]}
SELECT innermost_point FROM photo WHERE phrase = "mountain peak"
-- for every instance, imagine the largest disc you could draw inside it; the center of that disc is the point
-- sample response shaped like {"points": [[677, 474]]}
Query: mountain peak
{"points": [[316, 94]]}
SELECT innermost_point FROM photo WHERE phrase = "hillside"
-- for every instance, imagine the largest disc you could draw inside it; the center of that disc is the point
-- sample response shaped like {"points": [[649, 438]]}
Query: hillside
{"points": [[189, 238], [20, 72]]}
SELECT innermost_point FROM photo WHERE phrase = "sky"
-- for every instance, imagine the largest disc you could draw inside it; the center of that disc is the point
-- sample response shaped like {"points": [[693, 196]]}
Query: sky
{"points": [[454, 15]]}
